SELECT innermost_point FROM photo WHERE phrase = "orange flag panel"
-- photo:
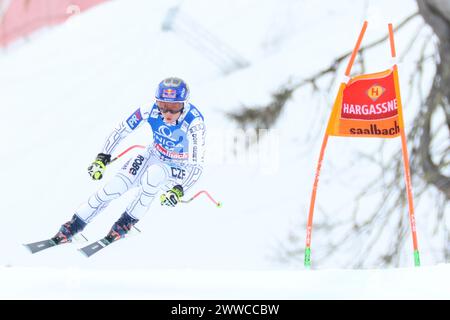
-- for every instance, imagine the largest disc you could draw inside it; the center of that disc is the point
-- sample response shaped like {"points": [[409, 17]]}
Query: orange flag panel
{"points": [[368, 105]]}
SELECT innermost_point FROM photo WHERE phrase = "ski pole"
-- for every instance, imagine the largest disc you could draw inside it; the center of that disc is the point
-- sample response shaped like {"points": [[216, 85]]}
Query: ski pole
{"points": [[121, 154], [217, 203]]}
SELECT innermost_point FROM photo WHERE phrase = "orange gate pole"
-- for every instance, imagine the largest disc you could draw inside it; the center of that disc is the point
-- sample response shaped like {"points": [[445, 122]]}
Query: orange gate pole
{"points": [[405, 155], [307, 261]]}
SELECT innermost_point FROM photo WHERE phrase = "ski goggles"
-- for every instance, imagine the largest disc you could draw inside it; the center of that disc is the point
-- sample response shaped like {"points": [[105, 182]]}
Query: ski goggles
{"points": [[163, 109]]}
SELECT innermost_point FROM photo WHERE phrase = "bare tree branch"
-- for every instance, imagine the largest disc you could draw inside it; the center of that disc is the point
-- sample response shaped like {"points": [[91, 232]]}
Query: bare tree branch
{"points": [[258, 116], [437, 15]]}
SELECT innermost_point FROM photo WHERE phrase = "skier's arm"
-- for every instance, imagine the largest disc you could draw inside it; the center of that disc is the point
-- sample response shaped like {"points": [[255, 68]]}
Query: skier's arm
{"points": [[97, 168], [196, 136], [124, 129]]}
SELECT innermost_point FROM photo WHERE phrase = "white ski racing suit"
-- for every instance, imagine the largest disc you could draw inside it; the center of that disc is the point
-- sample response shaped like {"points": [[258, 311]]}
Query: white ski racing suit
{"points": [[175, 157]]}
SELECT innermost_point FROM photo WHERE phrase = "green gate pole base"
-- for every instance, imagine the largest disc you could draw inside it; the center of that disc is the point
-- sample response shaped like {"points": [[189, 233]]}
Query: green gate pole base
{"points": [[416, 258], [308, 258]]}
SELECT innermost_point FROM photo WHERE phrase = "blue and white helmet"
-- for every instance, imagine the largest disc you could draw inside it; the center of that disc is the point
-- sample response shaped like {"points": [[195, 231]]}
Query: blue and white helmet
{"points": [[172, 90]]}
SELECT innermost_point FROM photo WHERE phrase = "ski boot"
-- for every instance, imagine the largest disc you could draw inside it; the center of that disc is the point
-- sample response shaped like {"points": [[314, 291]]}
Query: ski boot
{"points": [[121, 227], [69, 229]]}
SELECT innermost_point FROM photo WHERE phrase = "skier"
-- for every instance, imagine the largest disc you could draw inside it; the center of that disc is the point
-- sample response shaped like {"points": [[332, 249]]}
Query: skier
{"points": [[173, 162]]}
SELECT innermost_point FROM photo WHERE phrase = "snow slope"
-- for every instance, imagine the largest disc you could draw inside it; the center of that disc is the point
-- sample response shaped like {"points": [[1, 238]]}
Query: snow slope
{"points": [[427, 283], [64, 91]]}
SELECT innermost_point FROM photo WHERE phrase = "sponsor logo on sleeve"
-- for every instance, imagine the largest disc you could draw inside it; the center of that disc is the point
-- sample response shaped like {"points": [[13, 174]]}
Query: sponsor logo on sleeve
{"points": [[134, 120], [200, 126], [184, 126], [195, 113], [154, 114]]}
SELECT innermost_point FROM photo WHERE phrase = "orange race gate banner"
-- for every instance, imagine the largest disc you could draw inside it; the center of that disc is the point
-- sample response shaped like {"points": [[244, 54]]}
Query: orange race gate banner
{"points": [[367, 105]]}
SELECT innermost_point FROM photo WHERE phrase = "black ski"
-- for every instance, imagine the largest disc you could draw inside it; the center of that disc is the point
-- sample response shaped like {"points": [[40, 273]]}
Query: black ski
{"points": [[40, 245], [96, 246], [104, 242], [49, 243]]}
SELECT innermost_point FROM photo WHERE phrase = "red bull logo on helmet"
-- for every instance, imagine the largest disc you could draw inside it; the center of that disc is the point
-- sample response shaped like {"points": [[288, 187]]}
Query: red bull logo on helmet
{"points": [[169, 93]]}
